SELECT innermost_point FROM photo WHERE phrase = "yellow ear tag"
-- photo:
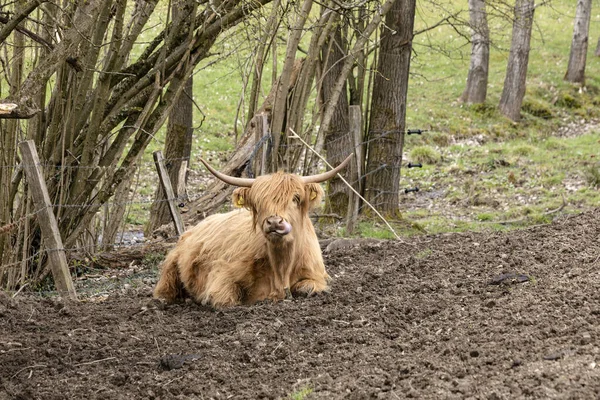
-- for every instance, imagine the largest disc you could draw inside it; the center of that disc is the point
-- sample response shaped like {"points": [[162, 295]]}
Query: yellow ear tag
{"points": [[313, 195], [240, 201]]}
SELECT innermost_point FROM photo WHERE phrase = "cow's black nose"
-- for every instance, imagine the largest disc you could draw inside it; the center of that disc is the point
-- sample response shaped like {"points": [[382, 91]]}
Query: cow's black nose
{"points": [[276, 224]]}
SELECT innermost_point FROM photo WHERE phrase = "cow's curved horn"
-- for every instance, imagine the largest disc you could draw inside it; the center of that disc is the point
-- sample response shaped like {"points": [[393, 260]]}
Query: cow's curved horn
{"points": [[327, 175], [232, 180]]}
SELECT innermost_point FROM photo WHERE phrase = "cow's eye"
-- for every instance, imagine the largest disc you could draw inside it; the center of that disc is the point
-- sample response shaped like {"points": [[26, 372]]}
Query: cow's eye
{"points": [[296, 199]]}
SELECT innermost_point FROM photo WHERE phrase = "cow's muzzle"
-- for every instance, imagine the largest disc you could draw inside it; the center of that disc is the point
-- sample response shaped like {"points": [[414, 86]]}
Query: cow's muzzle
{"points": [[276, 226]]}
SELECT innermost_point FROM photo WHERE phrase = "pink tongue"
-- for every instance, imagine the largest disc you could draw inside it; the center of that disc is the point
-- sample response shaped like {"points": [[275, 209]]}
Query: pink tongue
{"points": [[284, 228]]}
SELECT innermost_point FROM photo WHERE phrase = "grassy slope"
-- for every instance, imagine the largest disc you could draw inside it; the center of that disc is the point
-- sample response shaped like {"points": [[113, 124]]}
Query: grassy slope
{"points": [[481, 168]]}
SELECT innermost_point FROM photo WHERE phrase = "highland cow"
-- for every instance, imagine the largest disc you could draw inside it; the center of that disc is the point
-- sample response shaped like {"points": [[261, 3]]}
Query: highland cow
{"points": [[267, 250]]}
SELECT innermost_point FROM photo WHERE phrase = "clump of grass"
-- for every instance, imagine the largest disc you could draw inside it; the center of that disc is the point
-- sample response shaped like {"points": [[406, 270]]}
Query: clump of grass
{"points": [[553, 144], [485, 109], [523, 150], [441, 139], [425, 155], [537, 108], [423, 254], [592, 175], [485, 216], [301, 394], [568, 101]]}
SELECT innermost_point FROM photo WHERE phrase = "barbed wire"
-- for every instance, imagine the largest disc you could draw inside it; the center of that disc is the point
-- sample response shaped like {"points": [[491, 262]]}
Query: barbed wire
{"points": [[20, 262], [95, 242]]}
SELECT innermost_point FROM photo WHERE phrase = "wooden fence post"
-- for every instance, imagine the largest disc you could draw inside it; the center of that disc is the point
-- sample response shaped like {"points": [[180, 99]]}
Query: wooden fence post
{"points": [[261, 129], [355, 118], [47, 220], [165, 181]]}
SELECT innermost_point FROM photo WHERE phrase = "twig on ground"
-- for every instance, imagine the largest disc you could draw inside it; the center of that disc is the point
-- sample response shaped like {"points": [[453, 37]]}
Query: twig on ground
{"points": [[94, 362], [28, 367], [19, 291]]}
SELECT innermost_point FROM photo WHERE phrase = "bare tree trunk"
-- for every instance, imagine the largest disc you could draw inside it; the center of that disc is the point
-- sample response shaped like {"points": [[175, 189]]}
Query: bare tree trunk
{"points": [[388, 108], [597, 52], [516, 72], [577, 58], [348, 63], [178, 144], [337, 138], [8, 152], [262, 51], [477, 79], [283, 83]]}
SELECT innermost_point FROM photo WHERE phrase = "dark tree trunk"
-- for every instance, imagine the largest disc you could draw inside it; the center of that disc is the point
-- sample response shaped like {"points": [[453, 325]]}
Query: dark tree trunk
{"points": [[337, 138], [577, 58], [177, 154], [516, 72], [477, 79], [179, 134], [597, 52], [388, 108]]}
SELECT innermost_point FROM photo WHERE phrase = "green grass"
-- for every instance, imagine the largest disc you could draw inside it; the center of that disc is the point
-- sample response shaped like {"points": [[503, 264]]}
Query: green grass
{"points": [[300, 394], [425, 154]]}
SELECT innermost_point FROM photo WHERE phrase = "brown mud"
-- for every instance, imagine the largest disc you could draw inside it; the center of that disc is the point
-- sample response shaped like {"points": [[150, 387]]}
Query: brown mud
{"points": [[492, 315]]}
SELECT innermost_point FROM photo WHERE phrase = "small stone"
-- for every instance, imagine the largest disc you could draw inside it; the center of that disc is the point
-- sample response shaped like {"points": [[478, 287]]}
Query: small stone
{"points": [[474, 353], [586, 338]]}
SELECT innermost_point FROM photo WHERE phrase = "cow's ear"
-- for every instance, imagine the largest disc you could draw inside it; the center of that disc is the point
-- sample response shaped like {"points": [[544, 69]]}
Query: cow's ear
{"points": [[240, 197], [314, 193]]}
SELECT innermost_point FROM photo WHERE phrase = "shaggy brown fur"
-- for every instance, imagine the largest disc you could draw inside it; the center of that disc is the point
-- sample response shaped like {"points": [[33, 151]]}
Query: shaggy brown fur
{"points": [[234, 258]]}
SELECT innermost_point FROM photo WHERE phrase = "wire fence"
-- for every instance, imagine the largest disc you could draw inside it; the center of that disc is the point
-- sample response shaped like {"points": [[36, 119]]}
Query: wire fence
{"points": [[139, 201]]}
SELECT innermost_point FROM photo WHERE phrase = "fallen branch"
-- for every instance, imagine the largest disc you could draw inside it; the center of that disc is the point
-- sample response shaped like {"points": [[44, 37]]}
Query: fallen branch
{"points": [[29, 367], [94, 362]]}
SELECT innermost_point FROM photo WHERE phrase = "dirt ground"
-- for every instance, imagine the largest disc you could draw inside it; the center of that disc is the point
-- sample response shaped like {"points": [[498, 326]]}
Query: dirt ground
{"points": [[473, 315]]}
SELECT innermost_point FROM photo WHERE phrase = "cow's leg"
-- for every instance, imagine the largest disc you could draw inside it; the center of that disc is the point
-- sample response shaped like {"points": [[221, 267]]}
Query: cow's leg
{"points": [[309, 287], [169, 286], [222, 287]]}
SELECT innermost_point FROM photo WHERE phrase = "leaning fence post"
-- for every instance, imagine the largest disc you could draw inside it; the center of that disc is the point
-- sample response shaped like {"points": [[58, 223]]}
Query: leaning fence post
{"points": [[165, 181], [47, 220], [261, 129], [355, 117]]}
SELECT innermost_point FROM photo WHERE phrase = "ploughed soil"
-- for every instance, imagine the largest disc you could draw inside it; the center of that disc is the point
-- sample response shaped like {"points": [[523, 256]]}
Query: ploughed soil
{"points": [[493, 315]]}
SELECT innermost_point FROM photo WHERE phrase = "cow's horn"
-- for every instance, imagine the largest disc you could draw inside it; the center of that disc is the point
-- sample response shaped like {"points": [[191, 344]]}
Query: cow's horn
{"points": [[232, 180], [327, 175]]}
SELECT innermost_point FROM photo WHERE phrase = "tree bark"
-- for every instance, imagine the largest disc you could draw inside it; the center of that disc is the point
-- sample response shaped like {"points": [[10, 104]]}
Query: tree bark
{"points": [[283, 83], [8, 158], [388, 108], [477, 78], [579, 44], [337, 138], [358, 47], [13, 23], [178, 145], [518, 59]]}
